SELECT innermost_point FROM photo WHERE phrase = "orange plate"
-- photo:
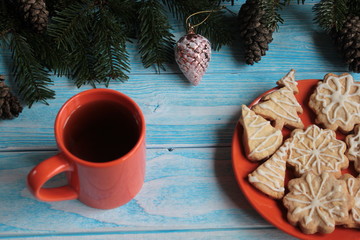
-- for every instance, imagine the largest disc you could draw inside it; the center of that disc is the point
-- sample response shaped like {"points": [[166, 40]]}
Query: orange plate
{"points": [[273, 210]]}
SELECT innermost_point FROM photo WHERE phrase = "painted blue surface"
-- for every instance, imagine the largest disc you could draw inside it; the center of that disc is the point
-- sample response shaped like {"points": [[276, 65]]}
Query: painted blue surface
{"points": [[190, 191]]}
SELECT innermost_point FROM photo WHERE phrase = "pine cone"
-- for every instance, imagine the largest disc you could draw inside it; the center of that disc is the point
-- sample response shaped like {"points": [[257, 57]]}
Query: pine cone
{"points": [[192, 54], [347, 40], [255, 34], [9, 104], [35, 14]]}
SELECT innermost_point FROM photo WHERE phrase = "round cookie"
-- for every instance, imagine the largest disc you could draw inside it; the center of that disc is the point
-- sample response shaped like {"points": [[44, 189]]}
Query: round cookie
{"points": [[353, 186], [353, 151], [336, 102]]}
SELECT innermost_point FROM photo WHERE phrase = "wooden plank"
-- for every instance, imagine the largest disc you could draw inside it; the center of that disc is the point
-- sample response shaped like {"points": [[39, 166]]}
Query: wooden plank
{"points": [[184, 189], [197, 234], [177, 114]]}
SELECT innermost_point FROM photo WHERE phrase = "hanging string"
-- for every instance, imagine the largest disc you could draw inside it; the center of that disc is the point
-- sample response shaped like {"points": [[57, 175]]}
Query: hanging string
{"points": [[192, 27]]}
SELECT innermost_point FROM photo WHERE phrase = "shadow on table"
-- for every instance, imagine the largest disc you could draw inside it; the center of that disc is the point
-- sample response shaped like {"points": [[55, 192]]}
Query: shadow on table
{"points": [[322, 41], [225, 175]]}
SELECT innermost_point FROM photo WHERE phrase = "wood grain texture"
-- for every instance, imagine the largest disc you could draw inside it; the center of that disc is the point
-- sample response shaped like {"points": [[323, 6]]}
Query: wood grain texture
{"points": [[190, 234], [177, 115], [180, 115], [190, 191], [190, 188]]}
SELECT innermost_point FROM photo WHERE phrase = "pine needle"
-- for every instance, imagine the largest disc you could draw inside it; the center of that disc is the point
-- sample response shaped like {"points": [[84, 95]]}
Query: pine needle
{"points": [[30, 76], [109, 43], [271, 17], [70, 25], [156, 42], [331, 14], [95, 42]]}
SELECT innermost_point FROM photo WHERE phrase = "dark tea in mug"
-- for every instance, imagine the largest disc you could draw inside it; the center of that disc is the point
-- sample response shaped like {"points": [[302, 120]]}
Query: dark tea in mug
{"points": [[101, 131]]}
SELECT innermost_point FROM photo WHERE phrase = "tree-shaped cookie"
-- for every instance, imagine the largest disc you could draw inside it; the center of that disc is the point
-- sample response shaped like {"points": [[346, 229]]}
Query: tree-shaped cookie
{"points": [[281, 105], [260, 138], [353, 186], [317, 202], [353, 151], [336, 102], [269, 177], [289, 82]]}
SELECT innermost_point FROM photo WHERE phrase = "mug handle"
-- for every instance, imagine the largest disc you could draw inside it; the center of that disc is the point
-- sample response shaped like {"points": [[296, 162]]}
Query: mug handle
{"points": [[44, 171]]}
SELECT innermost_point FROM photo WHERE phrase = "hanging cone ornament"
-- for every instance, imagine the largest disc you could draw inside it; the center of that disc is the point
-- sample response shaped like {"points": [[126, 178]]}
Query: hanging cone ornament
{"points": [[192, 54]]}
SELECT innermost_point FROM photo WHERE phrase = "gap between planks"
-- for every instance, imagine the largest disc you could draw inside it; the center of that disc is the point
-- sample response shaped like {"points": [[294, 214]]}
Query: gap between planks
{"points": [[135, 232]]}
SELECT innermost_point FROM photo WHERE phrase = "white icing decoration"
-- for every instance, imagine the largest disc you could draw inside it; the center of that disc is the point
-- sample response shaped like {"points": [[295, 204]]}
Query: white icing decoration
{"points": [[282, 102], [264, 140], [354, 145], [325, 204], [289, 80], [356, 195], [322, 146], [339, 95], [269, 170], [283, 105]]}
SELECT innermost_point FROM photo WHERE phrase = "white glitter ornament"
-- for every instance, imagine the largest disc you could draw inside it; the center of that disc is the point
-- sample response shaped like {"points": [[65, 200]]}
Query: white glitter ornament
{"points": [[192, 54]]}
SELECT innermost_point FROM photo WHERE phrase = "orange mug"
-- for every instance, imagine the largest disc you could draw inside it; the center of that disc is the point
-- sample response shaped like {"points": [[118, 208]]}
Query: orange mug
{"points": [[100, 134]]}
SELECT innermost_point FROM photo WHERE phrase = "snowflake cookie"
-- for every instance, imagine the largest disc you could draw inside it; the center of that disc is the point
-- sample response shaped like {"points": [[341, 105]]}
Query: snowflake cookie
{"points": [[353, 186], [336, 102], [317, 202], [269, 177], [316, 150], [260, 138], [353, 151]]}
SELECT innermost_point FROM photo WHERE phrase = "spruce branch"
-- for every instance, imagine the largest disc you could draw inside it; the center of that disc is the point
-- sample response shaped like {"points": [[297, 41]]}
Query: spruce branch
{"points": [[82, 64], [109, 42], [95, 42], [271, 17], [331, 14], [69, 29], [126, 13], [156, 42], [9, 20], [70, 25], [354, 7], [30, 76], [287, 2], [48, 54]]}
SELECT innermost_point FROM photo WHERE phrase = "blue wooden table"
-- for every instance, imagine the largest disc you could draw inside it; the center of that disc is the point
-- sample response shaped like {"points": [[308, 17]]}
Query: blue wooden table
{"points": [[190, 191]]}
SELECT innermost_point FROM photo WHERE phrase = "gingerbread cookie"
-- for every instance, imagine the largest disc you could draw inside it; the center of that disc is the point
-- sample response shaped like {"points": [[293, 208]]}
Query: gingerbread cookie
{"points": [[353, 186], [281, 106], [336, 102], [269, 177], [353, 151], [260, 138], [289, 82], [316, 150], [317, 202]]}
